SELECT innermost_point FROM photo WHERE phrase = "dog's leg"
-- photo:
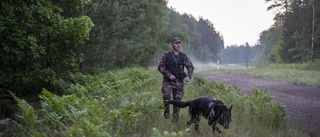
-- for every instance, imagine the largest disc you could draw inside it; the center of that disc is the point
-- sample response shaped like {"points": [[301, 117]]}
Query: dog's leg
{"points": [[196, 124], [192, 120], [214, 128], [175, 114], [218, 129]]}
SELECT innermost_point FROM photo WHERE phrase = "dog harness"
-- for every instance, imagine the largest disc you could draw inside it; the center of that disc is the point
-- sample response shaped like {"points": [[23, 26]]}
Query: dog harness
{"points": [[210, 107]]}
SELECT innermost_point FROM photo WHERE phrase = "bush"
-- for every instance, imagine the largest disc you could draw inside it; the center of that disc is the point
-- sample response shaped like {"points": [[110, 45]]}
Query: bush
{"points": [[127, 102]]}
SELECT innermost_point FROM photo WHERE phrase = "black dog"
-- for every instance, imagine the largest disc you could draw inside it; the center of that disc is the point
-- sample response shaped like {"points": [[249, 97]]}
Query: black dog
{"points": [[213, 110]]}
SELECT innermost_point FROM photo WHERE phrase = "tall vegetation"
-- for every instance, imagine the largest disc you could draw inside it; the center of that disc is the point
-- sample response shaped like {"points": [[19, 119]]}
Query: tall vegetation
{"points": [[270, 41], [125, 33], [128, 102], [298, 26], [199, 37], [43, 40], [55, 46], [294, 36], [240, 54], [38, 44]]}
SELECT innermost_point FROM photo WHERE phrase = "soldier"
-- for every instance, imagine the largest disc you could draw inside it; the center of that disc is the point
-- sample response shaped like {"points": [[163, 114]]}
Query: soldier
{"points": [[171, 66]]}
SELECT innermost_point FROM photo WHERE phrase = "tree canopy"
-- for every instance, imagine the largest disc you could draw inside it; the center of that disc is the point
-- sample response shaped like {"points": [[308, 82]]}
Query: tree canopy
{"points": [[42, 41], [37, 43], [293, 38]]}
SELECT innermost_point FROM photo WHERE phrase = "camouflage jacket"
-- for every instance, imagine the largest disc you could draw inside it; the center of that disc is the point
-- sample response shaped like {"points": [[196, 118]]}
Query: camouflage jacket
{"points": [[164, 62]]}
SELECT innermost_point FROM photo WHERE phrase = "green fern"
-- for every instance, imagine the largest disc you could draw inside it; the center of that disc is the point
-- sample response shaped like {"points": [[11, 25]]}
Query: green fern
{"points": [[28, 114], [127, 102]]}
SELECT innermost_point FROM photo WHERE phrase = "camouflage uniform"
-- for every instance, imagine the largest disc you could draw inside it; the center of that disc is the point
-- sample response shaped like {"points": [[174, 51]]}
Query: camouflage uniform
{"points": [[174, 87]]}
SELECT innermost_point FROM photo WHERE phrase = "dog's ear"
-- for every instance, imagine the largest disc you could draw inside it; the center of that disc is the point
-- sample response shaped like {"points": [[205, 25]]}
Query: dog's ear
{"points": [[230, 107]]}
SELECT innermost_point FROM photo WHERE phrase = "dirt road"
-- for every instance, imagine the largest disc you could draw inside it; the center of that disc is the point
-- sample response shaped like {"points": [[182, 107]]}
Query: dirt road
{"points": [[302, 102]]}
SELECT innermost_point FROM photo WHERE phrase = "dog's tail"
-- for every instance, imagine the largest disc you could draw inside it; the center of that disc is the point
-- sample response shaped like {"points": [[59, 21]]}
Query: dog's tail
{"points": [[179, 104]]}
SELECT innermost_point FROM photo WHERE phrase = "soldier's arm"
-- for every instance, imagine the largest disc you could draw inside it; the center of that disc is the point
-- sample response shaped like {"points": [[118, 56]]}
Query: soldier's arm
{"points": [[189, 66], [162, 67]]}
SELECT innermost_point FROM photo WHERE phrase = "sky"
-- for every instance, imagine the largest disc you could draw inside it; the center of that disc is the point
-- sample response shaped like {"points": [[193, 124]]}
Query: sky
{"points": [[239, 21]]}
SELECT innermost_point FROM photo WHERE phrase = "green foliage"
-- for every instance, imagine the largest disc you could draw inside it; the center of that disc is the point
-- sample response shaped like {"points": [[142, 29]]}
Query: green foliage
{"points": [[44, 40], [44, 44], [73, 116], [128, 102], [7, 104], [264, 111], [156, 133], [301, 74], [108, 104], [270, 41], [240, 54], [297, 40], [38, 44], [126, 33], [4, 122], [258, 106], [28, 114], [199, 37], [314, 65]]}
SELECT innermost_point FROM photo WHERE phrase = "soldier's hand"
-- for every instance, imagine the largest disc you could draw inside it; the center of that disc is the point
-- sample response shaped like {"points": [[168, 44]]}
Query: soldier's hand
{"points": [[186, 79], [172, 77]]}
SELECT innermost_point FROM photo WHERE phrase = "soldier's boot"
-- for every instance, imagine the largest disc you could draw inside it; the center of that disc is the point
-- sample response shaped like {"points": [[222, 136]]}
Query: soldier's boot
{"points": [[166, 112], [175, 114]]}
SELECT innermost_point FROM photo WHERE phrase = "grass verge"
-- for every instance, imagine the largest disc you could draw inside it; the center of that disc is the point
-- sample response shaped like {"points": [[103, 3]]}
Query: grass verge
{"points": [[300, 74]]}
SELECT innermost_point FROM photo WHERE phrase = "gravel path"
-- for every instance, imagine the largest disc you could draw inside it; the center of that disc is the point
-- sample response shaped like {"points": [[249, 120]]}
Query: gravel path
{"points": [[302, 102]]}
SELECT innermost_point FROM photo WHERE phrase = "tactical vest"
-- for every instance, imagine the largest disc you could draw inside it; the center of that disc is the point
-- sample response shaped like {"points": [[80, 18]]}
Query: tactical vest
{"points": [[175, 65]]}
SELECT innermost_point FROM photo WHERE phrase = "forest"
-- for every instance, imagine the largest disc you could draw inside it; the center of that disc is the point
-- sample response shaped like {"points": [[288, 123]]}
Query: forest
{"points": [[43, 42], [293, 38]]}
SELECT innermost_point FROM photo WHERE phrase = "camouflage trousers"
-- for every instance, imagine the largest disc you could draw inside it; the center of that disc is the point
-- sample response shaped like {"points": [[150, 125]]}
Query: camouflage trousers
{"points": [[175, 90]]}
